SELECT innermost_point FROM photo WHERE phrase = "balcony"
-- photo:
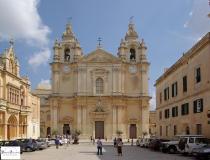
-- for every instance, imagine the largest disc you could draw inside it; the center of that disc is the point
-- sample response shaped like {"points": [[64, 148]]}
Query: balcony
{"points": [[3, 104]]}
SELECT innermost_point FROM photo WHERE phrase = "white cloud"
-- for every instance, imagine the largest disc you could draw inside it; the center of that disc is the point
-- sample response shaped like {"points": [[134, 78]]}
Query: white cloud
{"points": [[20, 20], [153, 101], [44, 84], [39, 58], [198, 22]]}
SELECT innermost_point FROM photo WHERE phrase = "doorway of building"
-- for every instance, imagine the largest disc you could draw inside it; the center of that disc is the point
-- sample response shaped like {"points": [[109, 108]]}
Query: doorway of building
{"points": [[133, 131], [48, 131], [12, 127], [66, 129], [99, 129]]}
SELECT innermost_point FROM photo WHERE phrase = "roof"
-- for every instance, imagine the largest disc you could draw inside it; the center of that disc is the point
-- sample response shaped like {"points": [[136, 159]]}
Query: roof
{"points": [[100, 55], [189, 54]]}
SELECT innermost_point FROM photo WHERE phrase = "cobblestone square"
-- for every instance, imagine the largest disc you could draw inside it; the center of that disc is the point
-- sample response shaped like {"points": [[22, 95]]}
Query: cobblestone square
{"points": [[88, 152]]}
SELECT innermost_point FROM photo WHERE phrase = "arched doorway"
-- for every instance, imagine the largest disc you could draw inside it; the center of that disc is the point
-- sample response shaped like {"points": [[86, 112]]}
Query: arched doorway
{"points": [[48, 131], [66, 129], [12, 127]]}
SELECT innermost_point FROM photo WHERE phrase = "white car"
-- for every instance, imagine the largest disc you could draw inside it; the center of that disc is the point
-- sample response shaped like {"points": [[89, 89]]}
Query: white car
{"points": [[188, 143]]}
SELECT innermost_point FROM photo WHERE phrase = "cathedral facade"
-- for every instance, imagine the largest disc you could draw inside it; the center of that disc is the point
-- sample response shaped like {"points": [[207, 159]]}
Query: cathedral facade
{"points": [[99, 94]]}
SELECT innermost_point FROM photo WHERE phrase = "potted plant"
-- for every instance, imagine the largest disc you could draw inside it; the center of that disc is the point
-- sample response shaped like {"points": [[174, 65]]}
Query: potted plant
{"points": [[75, 136], [119, 133]]}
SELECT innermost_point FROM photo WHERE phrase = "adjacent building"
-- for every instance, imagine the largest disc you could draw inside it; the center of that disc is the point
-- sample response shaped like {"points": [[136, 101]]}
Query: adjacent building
{"points": [[19, 109], [183, 94], [152, 123], [98, 93]]}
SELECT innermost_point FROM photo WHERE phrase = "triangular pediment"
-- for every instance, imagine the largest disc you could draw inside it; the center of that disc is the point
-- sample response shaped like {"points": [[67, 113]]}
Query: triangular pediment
{"points": [[100, 55]]}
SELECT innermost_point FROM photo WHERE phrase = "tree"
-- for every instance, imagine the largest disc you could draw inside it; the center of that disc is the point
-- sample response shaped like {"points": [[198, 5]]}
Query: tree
{"points": [[75, 135], [119, 133]]}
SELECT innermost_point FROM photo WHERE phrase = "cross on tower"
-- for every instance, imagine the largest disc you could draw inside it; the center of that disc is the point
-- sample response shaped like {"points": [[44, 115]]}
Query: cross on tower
{"points": [[99, 41], [131, 19], [69, 19]]}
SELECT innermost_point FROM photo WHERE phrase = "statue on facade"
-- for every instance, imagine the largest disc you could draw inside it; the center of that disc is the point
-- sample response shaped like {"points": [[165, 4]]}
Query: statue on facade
{"points": [[99, 107]]}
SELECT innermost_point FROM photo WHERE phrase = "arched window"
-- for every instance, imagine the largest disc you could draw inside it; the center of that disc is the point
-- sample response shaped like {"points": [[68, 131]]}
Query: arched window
{"points": [[67, 54], [132, 54], [99, 86]]}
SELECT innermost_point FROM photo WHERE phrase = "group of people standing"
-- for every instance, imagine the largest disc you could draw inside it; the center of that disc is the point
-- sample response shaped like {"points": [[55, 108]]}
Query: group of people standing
{"points": [[66, 140], [117, 144]]}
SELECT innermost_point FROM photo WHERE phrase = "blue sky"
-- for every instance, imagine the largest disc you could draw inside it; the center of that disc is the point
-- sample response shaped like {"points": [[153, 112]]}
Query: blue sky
{"points": [[169, 28]]}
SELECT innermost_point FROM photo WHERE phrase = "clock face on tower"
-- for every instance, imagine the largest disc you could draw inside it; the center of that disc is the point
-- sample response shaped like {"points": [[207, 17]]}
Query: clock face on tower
{"points": [[132, 69], [66, 69]]}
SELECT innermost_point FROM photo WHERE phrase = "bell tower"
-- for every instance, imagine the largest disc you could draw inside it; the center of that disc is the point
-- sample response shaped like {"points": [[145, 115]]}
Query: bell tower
{"points": [[68, 50], [132, 53], [132, 50]]}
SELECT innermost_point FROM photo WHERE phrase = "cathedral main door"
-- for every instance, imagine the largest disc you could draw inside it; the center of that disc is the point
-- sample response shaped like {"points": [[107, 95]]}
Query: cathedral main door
{"points": [[133, 131], [99, 129]]}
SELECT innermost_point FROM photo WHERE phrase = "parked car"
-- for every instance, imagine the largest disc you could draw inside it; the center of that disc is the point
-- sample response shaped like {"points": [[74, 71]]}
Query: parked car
{"points": [[29, 145], [14, 143], [170, 146], [155, 144], [202, 153], [148, 141], [188, 143], [41, 144], [46, 140]]}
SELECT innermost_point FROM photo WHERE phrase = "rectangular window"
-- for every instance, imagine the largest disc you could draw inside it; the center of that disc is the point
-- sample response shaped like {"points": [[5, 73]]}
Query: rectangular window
{"points": [[160, 97], [167, 114], [198, 75], [174, 89], [160, 130], [175, 111], [185, 84], [198, 129], [198, 106], [160, 115], [185, 109], [166, 93], [175, 130]]}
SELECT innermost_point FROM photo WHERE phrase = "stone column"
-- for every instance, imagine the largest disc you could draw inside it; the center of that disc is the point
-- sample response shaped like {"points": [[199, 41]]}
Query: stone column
{"points": [[54, 116], [79, 116], [84, 120], [93, 125], [114, 122]]}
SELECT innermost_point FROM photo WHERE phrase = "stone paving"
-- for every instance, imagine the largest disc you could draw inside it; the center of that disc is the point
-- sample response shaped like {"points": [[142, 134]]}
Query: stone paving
{"points": [[87, 151]]}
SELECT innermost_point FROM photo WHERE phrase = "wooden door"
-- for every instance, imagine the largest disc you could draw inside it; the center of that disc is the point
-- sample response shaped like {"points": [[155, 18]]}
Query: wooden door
{"points": [[133, 131], [99, 129]]}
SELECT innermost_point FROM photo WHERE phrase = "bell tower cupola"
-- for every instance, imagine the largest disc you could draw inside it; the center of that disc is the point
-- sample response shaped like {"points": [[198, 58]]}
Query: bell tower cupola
{"points": [[132, 50], [68, 50]]}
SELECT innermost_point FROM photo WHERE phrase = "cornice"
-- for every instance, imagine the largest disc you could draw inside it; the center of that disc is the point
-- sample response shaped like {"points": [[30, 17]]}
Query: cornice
{"points": [[184, 59]]}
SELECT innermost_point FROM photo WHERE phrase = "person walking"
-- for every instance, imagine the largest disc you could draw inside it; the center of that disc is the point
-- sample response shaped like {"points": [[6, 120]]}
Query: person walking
{"points": [[119, 147], [57, 142], [99, 146], [132, 142], [115, 142]]}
